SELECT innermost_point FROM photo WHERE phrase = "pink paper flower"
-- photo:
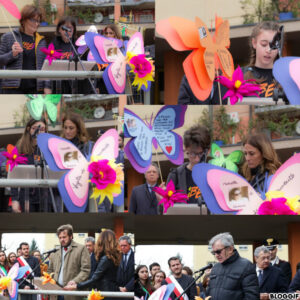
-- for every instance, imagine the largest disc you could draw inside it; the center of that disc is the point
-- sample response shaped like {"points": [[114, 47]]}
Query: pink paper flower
{"points": [[141, 65], [13, 157], [51, 53], [102, 174], [170, 196], [277, 206], [238, 87]]}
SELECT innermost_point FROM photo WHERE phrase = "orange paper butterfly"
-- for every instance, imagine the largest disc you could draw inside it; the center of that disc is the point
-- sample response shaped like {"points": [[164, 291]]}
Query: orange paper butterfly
{"points": [[209, 53]]}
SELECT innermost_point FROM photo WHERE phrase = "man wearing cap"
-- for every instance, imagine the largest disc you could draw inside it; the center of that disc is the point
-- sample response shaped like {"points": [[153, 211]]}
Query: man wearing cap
{"points": [[271, 279], [285, 266]]}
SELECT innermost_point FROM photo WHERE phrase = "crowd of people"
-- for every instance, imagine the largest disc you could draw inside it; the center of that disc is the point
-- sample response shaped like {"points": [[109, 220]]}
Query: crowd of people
{"points": [[260, 163], [38, 199], [231, 277], [105, 264], [20, 49]]}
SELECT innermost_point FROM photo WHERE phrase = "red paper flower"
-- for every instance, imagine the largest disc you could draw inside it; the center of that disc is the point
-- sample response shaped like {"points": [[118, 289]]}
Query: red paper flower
{"points": [[276, 206], [13, 157], [238, 87], [51, 53], [102, 174], [170, 196]]}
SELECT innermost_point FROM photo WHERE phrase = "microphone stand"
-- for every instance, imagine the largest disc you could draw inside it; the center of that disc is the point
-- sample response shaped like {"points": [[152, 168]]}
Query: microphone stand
{"points": [[192, 282], [76, 59], [33, 270]]}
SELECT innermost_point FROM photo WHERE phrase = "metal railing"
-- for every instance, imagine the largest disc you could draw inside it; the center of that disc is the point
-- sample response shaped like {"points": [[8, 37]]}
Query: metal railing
{"points": [[74, 293], [39, 183], [49, 74]]}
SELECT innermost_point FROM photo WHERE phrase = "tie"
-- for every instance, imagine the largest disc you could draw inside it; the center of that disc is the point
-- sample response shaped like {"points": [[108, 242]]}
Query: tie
{"points": [[66, 249], [125, 260], [260, 276]]}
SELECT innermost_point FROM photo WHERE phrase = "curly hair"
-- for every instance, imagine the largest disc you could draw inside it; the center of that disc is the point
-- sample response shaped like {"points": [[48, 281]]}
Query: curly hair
{"points": [[270, 160], [107, 244]]}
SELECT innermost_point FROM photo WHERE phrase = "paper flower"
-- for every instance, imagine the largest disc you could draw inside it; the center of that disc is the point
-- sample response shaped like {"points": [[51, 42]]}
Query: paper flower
{"points": [[9, 282], [238, 87], [277, 206], [292, 202], [142, 68], [95, 296], [13, 157], [170, 196], [107, 177], [51, 53], [47, 278]]}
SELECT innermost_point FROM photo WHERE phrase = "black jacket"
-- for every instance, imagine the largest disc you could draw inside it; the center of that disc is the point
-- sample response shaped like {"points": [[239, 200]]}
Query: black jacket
{"points": [[186, 95], [125, 276], [295, 284], [234, 279], [104, 277], [273, 281], [9, 62], [286, 269]]}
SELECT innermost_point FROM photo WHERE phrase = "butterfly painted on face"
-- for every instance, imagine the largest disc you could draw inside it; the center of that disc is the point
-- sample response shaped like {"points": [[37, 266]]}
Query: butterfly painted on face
{"points": [[226, 192], [208, 53], [229, 162], [39, 103], [107, 50], [139, 148], [61, 154]]}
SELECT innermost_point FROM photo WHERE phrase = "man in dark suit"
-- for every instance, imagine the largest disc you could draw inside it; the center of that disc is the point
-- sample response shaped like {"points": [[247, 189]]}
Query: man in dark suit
{"points": [[90, 245], [143, 200], [125, 277], [285, 266], [270, 279]]}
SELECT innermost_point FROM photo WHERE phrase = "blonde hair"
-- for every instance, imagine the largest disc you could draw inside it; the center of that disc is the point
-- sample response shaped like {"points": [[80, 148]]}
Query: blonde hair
{"points": [[270, 160]]}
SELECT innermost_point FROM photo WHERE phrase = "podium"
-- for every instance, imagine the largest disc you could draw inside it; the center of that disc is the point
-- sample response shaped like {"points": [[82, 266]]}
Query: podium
{"points": [[38, 282], [187, 209]]}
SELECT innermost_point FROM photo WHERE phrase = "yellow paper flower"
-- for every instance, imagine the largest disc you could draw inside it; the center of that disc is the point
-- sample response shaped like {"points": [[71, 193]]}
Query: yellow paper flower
{"points": [[274, 194], [5, 283], [48, 278], [95, 296]]}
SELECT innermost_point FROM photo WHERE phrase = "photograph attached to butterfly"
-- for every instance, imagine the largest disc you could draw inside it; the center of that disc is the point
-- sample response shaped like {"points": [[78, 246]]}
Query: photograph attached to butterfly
{"points": [[238, 197]]}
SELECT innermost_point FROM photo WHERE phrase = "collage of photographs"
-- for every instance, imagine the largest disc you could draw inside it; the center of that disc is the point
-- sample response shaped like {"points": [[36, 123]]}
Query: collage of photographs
{"points": [[149, 149]]}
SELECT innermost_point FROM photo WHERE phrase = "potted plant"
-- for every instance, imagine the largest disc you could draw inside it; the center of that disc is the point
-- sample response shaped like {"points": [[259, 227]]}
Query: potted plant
{"points": [[257, 11], [285, 8], [282, 126]]}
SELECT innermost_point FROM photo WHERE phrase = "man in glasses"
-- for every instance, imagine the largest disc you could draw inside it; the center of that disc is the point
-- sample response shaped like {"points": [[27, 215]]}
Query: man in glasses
{"points": [[233, 277], [196, 142], [285, 266]]}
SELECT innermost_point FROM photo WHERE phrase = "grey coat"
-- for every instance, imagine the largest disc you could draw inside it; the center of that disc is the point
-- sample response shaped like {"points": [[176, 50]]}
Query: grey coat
{"points": [[9, 62]]}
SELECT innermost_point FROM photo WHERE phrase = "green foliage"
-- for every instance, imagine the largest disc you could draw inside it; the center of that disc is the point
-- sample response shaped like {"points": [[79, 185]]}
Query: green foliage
{"points": [[33, 246], [283, 125], [21, 116]]}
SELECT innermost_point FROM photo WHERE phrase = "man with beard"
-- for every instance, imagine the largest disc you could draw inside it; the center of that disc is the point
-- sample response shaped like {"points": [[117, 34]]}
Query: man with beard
{"points": [[180, 280]]}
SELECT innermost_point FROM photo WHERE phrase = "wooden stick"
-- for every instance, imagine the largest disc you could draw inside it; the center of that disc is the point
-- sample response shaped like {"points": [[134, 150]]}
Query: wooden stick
{"points": [[5, 17], [161, 178], [219, 88]]}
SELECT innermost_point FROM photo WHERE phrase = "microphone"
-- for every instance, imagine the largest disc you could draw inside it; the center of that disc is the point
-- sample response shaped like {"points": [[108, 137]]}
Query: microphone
{"points": [[51, 251], [36, 132], [65, 28], [209, 266]]}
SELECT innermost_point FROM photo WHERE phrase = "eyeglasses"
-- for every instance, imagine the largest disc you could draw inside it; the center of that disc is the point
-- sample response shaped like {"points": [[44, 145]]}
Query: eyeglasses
{"points": [[218, 251], [194, 154], [34, 21]]}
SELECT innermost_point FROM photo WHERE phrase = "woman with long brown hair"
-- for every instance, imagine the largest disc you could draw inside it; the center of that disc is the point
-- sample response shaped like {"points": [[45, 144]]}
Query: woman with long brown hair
{"points": [[27, 145], [142, 284], [4, 266], [261, 161], [74, 130], [108, 256]]}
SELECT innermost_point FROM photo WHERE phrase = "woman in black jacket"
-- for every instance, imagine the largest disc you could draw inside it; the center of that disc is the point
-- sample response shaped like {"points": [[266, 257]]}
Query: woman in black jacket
{"points": [[105, 275]]}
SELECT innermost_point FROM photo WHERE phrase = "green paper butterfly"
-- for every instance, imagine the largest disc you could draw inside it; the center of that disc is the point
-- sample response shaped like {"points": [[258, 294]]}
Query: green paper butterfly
{"points": [[229, 162], [39, 103]]}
